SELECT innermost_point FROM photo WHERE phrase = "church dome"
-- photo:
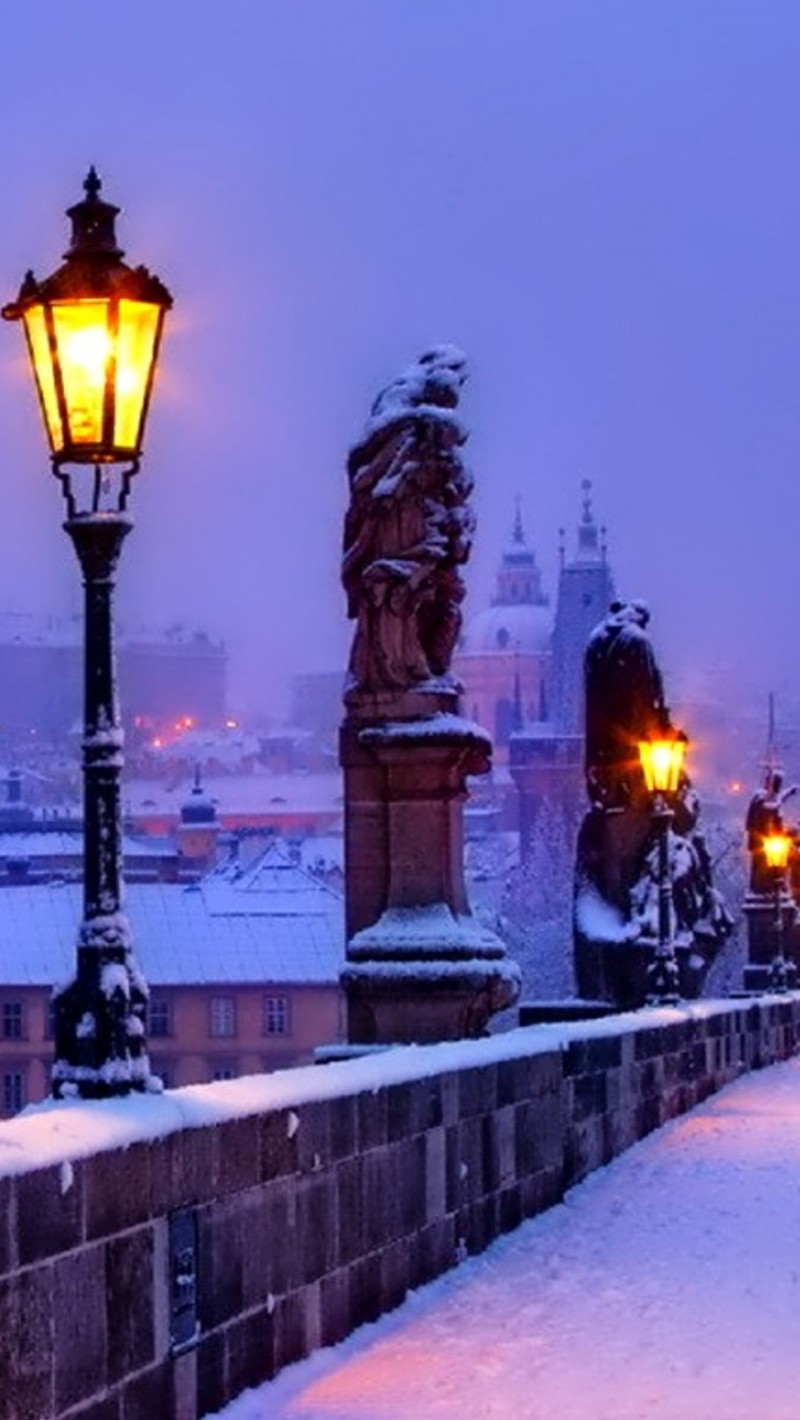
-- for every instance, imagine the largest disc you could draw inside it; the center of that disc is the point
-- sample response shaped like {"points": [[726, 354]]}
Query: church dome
{"points": [[519, 618], [525, 627]]}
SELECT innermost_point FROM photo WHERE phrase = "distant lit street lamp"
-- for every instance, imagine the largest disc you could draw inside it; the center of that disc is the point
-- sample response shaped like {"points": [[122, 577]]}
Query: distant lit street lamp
{"points": [[93, 330], [662, 764], [777, 847]]}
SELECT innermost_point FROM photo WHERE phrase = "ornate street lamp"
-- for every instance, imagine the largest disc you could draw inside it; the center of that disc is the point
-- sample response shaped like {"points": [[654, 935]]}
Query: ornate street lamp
{"points": [[662, 764], [777, 847], [93, 330]]}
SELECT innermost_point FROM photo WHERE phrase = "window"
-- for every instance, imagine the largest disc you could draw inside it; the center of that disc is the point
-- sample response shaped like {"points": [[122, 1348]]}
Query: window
{"points": [[13, 1091], [223, 1072], [160, 1017], [13, 1020], [277, 1019], [222, 1016], [50, 1021]]}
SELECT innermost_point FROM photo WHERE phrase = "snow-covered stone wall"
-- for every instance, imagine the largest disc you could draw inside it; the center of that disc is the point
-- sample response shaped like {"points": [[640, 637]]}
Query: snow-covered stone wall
{"points": [[157, 1256]]}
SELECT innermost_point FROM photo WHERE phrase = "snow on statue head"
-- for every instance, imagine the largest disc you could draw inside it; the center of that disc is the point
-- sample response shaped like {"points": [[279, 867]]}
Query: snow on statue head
{"points": [[434, 380], [408, 529]]}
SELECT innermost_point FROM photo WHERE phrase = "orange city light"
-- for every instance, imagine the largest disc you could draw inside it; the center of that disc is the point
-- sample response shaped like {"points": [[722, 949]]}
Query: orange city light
{"points": [[93, 330], [777, 847], [662, 762]]}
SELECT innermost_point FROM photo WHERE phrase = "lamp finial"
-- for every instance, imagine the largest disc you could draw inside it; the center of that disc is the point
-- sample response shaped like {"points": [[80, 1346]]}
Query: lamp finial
{"points": [[92, 184]]}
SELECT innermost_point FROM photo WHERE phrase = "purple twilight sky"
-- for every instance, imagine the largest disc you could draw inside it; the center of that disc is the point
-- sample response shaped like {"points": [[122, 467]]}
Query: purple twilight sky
{"points": [[595, 199]]}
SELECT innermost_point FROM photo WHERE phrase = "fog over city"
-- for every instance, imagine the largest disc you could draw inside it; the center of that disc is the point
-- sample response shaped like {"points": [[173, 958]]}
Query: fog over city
{"points": [[595, 199]]}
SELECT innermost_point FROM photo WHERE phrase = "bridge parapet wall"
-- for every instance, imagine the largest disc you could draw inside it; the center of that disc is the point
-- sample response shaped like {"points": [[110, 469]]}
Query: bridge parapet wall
{"points": [[311, 1201]]}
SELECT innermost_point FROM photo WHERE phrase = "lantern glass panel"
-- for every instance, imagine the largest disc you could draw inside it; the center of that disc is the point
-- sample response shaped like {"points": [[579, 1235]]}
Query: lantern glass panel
{"points": [[84, 347], [136, 340], [41, 359], [776, 850], [662, 762]]}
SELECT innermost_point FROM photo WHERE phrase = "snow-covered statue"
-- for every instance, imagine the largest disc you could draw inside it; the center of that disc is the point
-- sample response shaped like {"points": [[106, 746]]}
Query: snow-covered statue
{"points": [[765, 817], [419, 965], [408, 529], [617, 865]]}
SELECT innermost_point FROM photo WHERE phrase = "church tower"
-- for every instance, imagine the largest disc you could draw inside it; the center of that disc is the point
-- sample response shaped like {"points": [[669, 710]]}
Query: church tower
{"points": [[585, 592], [546, 758], [519, 581]]}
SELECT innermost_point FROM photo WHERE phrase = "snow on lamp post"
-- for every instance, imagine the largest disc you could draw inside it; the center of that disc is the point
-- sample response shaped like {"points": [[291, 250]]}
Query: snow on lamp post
{"points": [[662, 764], [93, 330], [777, 847]]}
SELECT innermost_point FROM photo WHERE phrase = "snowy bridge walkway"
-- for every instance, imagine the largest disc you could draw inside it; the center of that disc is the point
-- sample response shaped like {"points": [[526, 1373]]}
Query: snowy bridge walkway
{"points": [[665, 1287]]}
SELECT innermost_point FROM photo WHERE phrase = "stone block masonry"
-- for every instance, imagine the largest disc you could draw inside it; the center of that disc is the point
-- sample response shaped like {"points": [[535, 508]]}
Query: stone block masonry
{"points": [[158, 1256]]}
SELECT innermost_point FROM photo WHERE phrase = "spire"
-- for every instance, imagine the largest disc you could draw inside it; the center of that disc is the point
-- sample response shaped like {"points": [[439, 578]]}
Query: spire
{"points": [[519, 581], [588, 549], [92, 184], [93, 221]]}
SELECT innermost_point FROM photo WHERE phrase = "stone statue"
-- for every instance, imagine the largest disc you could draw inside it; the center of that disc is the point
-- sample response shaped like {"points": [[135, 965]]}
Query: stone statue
{"points": [[624, 702], [617, 856], [408, 529], [419, 965], [764, 817]]}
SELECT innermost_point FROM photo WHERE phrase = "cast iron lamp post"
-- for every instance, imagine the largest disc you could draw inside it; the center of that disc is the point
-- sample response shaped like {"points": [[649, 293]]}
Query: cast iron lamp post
{"points": [[662, 765], [777, 847], [93, 330]]}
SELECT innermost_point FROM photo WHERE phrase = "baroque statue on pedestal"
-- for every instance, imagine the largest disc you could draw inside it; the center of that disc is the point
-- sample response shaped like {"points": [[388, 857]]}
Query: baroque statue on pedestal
{"points": [[617, 871], [408, 529], [420, 965]]}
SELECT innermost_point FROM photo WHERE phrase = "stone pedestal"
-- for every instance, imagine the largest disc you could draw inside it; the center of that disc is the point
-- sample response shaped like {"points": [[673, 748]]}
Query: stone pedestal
{"points": [[419, 965], [762, 937]]}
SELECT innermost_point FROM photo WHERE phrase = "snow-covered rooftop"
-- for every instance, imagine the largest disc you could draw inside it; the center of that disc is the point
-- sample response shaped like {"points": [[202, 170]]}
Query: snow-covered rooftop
{"points": [[274, 923], [36, 843], [242, 793]]}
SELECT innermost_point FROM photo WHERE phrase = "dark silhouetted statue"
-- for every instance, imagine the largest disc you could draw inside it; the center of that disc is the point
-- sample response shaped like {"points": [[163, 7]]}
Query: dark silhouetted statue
{"points": [[765, 817], [408, 529], [624, 702], [617, 866]]}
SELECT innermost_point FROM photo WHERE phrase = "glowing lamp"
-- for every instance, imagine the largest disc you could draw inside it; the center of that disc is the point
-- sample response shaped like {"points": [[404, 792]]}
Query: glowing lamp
{"points": [[662, 763], [93, 330], [777, 847]]}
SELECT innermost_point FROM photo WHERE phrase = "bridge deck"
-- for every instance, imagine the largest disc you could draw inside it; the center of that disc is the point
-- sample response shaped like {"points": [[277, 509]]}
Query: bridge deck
{"points": [[667, 1286]]}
